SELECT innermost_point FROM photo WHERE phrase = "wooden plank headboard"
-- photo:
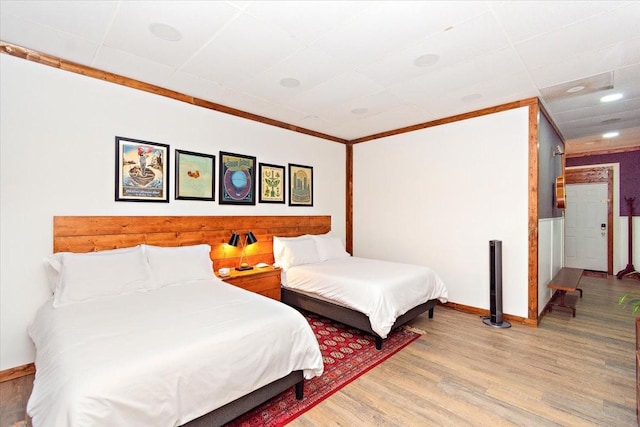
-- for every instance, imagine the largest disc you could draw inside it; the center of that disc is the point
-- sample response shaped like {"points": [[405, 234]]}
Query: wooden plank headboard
{"points": [[95, 233]]}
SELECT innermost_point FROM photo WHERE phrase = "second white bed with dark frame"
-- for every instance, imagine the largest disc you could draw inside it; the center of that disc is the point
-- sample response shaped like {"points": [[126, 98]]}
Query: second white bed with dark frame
{"points": [[374, 296]]}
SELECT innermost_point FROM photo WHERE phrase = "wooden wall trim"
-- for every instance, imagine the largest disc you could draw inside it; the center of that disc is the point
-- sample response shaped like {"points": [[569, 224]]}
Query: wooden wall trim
{"points": [[587, 175], [602, 152], [17, 372], [485, 313], [52, 61], [349, 198], [533, 212], [598, 174], [459, 117]]}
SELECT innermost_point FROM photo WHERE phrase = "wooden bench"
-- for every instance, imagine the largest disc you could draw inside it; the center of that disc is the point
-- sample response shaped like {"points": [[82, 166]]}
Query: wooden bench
{"points": [[566, 280]]}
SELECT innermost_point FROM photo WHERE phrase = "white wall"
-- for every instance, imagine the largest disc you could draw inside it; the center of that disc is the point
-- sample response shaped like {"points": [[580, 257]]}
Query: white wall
{"points": [[437, 196], [550, 256], [57, 146]]}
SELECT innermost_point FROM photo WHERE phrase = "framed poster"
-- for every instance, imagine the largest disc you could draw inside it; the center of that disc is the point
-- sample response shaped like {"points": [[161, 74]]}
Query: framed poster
{"points": [[237, 179], [300, 185], [142, 174], [195, 176], [271, 183]]}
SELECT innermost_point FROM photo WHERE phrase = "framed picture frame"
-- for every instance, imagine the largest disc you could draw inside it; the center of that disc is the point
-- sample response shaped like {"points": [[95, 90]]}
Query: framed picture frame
{"points": [[271, 183], [195, 176], [237, 179], [142, 173], [300, 185]]}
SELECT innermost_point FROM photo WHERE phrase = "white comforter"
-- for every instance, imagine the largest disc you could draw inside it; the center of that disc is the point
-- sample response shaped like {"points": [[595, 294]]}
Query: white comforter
{"points": [[162, 358], [382, 290]]}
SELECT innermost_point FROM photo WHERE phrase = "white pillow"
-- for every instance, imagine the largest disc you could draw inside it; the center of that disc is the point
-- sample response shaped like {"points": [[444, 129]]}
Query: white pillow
{"points": [[330, 247], [53, 265], [172, 265], [278, 244], [88, 276], [298, 252]]}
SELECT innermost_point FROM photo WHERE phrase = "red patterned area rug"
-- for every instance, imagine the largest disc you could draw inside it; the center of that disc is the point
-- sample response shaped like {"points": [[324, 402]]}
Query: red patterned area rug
{"points": [[347, 353]]}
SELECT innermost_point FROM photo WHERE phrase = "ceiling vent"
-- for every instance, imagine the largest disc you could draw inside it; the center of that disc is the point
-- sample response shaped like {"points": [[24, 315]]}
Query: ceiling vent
{"points": [[579, 87]]}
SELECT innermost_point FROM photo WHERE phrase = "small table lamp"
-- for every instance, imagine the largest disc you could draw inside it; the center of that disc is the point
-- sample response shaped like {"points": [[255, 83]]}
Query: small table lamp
{"points": [[249, 239]]}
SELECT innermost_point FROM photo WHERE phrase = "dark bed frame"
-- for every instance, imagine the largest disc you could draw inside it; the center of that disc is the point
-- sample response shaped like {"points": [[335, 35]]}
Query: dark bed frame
{"points": [[339, 313], [232, 410]]}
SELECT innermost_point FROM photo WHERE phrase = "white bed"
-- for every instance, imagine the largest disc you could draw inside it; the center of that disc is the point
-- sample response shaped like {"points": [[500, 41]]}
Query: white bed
{"points": [[383, 291], [160, 355]]}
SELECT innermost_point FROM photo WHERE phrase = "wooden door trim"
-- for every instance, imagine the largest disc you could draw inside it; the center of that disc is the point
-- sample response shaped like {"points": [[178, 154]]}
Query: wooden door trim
{"points": [[534, 212], [594, 175]]}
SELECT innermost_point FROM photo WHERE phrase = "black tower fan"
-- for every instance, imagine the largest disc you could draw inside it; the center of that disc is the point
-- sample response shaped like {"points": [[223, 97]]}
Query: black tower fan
{"points": [[495, 294]]}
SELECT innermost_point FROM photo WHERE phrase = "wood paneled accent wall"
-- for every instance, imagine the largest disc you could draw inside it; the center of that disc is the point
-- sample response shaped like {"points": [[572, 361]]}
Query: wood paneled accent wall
{"points": [[95, 233]]}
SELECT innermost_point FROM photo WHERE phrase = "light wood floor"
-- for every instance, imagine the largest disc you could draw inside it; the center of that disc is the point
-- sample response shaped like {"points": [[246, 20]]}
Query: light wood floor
{"points": [[569, 372]]}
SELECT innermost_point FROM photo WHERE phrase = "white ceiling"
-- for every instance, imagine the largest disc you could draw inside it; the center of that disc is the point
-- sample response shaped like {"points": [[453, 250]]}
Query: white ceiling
{"points": [[355, 60]]}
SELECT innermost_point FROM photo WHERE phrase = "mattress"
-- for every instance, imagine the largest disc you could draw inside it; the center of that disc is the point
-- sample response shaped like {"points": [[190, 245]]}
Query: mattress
{"points": [[381, 290], [162, 357]]}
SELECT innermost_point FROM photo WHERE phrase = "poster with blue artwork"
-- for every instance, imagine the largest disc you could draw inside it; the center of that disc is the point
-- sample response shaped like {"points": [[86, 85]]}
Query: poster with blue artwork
{"points": [[237, 179]]}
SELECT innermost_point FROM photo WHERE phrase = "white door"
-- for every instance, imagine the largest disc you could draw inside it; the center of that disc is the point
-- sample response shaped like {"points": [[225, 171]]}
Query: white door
{"points": [[586, 226]]}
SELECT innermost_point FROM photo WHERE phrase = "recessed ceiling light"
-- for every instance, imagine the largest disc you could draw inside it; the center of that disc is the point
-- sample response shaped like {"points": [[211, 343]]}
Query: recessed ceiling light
{"points": [[289, 82], [575, 89], [165, 32], [610, 134], [359, 110], [612, 97], [426, 60]]}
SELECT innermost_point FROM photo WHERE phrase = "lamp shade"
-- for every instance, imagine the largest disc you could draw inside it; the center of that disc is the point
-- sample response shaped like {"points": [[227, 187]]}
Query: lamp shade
{"points": [[251, 239], [235, 238]]}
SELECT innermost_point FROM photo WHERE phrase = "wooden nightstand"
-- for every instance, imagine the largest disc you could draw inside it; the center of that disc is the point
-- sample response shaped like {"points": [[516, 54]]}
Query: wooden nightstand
{"points": [[264, 281]]}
